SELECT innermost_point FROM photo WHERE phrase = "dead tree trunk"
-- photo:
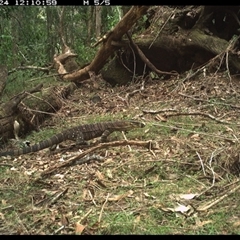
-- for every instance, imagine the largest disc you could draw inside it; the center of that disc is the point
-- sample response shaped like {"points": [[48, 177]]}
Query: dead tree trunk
{"points": [[108, 47], [193, 35], [31, 110], [180, 38]]}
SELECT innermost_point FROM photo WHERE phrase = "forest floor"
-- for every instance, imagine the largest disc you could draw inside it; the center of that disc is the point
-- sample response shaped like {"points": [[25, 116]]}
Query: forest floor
{"points": [[186, 182]]}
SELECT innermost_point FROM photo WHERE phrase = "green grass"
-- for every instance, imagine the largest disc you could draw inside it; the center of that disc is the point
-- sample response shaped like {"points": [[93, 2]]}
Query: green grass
{"points": [[23, 81], [140, 214], [145, 182]]}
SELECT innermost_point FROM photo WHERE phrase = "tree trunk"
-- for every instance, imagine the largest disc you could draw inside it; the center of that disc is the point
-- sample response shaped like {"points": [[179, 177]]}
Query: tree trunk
{"points": [[183, 38], [31, 112], [98, 21], [90, 18], [109, 46]]}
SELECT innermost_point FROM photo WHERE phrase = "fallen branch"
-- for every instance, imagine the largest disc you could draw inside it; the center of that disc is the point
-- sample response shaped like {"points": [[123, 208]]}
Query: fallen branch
{"points": [[146, 60], [208, 101], [43, 69], [6, 165], [62, 193], [211, 203], [233, 140], [159, 111], [185, 113], [11, 106], [72, 160], [107, 49], [101, 212], [200, 114], [60, 61]]}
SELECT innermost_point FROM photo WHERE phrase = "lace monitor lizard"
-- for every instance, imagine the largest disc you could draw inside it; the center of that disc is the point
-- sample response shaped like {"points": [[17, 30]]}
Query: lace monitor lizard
{"points": [[79, 134]]}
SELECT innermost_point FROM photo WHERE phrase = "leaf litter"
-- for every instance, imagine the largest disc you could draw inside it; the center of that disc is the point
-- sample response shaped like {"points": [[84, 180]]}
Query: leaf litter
{"points": [[197, 141]]}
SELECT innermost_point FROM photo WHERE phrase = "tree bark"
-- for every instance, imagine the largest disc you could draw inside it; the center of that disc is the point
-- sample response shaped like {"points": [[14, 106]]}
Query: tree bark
{"points": [[98, 13], [190, 38], [30, 112], [108, 48]]}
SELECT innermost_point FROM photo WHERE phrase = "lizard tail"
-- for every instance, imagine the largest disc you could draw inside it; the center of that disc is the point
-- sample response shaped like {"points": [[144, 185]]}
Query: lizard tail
{"points": [[36, 147]]}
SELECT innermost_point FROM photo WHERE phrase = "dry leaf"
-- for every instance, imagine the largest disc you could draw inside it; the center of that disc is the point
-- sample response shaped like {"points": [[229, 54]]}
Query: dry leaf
{"points": [[172, 176], [119, 197], [180, 208], [149, 196], [228, 129], [206, 222], [109, 160], [175, 139], [29, 173], [187, 196], [161, 118], [236, 224], [137, 219], [109, 173], [60, 176], [99, 175], [64, 220], [195, 136], [200, 223], [13, 169], [84, 194], [79, 228], [146, 131], [101, 183], [2, 216]]}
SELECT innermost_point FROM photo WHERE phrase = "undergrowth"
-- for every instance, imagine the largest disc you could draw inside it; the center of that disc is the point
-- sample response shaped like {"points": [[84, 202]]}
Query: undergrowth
{"points": [[181, 184]]}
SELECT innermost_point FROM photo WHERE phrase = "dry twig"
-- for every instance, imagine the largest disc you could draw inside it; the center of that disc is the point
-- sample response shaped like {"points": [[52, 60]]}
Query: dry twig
{"points": [[58, 196], [100, 215], [146, 60], [201, 161], [213, 202], [186, 113], [72, 160]]}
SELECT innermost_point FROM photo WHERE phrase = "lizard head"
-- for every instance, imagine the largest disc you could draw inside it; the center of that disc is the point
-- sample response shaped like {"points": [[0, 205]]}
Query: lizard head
{"points": [[137, 124], [128, 125]]}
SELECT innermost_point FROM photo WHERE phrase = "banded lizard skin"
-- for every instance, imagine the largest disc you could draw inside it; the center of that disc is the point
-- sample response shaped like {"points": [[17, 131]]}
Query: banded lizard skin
{"points": [[79, 134]]}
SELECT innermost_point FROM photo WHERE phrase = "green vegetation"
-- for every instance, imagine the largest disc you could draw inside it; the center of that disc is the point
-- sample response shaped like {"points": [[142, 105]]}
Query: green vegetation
{"points": [[126, 189], [30, 36], [134, 190]]}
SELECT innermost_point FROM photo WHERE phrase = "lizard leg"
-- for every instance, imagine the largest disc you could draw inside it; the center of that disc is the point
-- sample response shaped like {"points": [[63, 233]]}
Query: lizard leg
{"points": [[80, 139], [53, 147], [105, 134]]}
